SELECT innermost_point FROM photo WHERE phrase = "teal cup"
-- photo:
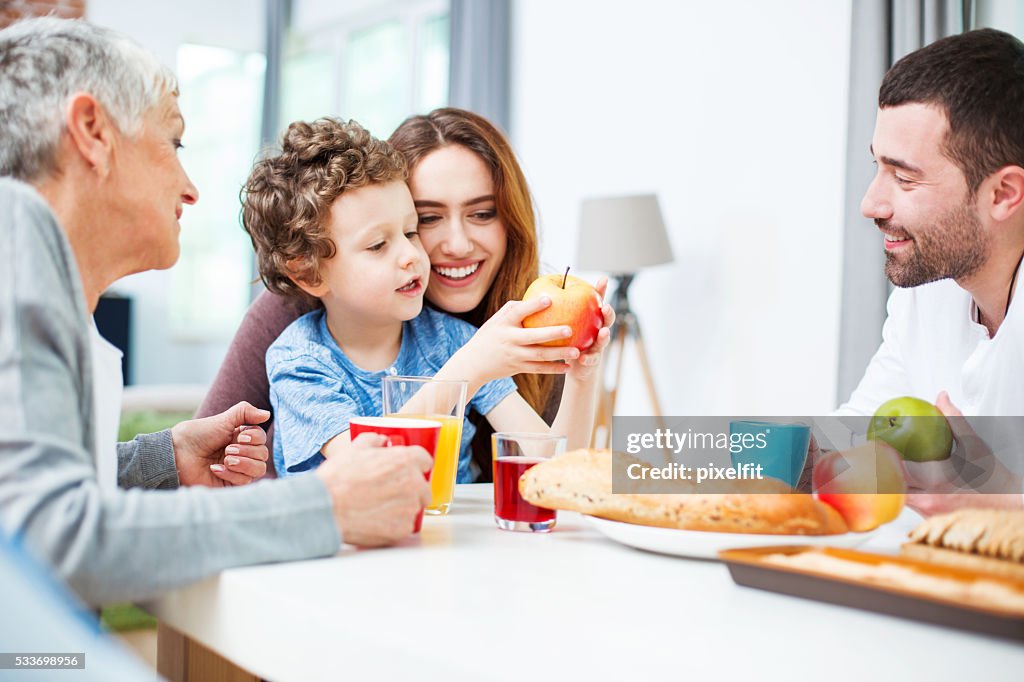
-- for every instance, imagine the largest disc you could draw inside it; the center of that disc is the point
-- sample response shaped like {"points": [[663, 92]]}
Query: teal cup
{"points": [[780, 449]]}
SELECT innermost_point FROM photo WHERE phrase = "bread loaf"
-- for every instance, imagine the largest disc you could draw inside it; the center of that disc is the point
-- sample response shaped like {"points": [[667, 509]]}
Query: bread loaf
{"points": [[582, 481]]}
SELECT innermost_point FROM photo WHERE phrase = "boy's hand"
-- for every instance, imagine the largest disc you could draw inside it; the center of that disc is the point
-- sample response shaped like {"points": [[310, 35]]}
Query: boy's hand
{"points": [[222, 450], [502, 347], [587, 364]]}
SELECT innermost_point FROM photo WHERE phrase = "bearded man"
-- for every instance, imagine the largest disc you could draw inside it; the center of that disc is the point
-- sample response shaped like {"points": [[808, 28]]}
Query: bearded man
{"points": [[948, 200]]}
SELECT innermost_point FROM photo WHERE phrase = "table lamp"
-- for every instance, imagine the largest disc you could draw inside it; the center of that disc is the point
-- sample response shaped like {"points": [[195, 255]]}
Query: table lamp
{"points": [[621, 236]]}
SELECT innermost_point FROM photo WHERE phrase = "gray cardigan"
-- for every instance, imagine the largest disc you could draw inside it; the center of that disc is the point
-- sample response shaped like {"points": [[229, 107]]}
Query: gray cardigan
{"points": [[149, 536]]}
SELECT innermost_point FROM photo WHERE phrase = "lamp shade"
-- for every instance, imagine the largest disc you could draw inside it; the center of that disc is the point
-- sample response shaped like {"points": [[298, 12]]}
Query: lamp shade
{"points": [[622, 235]]}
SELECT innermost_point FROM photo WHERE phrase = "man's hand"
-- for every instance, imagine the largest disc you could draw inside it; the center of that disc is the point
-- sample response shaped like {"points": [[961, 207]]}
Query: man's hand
{"points": [[222, 450], [814, 453], [376, 491], [972, 477]]}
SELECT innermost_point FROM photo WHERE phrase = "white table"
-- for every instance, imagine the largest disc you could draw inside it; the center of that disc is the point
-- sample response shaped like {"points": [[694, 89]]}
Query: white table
{"points": [[466, 601]]}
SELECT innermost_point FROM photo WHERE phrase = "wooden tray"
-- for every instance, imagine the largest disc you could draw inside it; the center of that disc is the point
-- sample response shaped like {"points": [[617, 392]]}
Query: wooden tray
{"points": [[748, 567]]}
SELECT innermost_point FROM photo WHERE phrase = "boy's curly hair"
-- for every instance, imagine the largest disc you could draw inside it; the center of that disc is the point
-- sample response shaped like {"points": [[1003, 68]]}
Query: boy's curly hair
{"points": [[286, 202]]}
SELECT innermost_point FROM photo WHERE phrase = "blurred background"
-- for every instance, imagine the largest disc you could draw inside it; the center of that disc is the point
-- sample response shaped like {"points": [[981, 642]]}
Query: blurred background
{"points": [[749, 119]]}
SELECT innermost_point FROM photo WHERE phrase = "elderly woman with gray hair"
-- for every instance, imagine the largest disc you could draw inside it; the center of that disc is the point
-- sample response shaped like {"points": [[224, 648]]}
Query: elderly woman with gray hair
{"points": [[92, 191]]}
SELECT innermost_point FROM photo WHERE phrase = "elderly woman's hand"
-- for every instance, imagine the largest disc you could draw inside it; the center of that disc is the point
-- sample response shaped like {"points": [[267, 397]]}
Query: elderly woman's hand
{"points": [[222, 450]]}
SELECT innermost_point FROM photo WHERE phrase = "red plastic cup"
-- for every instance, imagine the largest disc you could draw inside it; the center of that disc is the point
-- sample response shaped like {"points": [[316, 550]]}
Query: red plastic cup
{"points": [[422, 432]]}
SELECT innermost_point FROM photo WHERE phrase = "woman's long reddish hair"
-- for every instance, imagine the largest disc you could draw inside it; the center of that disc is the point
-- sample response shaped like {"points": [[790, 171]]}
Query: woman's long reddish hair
{"points": [[415, 138]]}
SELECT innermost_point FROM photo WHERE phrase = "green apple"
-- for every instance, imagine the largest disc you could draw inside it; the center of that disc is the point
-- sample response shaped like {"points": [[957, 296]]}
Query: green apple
{"points": [[913, 426]]}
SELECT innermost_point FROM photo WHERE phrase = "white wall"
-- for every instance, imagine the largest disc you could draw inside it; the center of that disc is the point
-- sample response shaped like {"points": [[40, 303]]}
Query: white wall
{"points": [[1005, 15], [734, 112], [158, 356]]}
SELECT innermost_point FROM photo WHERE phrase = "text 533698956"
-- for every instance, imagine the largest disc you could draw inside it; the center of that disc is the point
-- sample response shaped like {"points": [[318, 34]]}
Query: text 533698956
{"points": [[41, 661]]}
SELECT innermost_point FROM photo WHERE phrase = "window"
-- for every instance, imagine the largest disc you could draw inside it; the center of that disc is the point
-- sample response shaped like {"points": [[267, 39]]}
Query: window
{"points": [[431, 85], [221, 91], [376, 66]]}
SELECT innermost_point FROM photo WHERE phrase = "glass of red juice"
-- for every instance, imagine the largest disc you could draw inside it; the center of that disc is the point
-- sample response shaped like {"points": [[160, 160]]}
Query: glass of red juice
{"points": [[514, 454]]}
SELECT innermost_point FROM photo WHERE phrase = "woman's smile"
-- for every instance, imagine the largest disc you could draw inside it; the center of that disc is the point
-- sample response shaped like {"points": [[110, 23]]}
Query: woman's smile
{"points": [[457, 274]]}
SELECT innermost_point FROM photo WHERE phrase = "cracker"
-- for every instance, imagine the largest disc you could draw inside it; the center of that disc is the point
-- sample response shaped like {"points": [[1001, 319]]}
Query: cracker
{"points": [[997, 533]]}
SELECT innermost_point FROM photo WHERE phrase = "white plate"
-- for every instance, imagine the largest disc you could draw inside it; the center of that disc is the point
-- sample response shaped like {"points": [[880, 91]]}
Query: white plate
{"points": [[700, 544]]}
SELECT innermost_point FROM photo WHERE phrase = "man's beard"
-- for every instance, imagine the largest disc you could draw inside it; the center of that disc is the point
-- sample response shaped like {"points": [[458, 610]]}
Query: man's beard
{"points": [[955, 247]]}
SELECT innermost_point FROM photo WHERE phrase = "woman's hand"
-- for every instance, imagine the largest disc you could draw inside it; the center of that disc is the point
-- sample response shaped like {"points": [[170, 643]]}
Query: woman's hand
{"points": [[584, 367]]}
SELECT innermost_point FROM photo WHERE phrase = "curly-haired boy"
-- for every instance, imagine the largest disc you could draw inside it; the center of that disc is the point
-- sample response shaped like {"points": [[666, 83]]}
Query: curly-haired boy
{"points": [[331, 218]]}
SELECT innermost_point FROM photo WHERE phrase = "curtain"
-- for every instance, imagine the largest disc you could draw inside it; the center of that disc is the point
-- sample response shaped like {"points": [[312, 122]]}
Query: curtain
{"points": [[480, 42], [277, 14], [882, 32]]}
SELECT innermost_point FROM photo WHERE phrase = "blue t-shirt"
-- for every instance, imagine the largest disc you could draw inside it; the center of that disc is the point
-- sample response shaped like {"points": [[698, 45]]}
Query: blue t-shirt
{"points": [[315, 389]]}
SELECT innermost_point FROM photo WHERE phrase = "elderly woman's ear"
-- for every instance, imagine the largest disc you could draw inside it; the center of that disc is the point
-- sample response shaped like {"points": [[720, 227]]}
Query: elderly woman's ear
{"points": [[91, 132]]}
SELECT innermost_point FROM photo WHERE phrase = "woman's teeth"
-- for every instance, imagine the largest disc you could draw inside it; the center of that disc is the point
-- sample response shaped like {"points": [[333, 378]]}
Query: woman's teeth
{"points": [[457, 273]]}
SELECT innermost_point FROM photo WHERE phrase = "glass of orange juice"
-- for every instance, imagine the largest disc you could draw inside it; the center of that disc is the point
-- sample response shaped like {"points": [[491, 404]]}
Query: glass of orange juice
{"points": [[440, 400]]}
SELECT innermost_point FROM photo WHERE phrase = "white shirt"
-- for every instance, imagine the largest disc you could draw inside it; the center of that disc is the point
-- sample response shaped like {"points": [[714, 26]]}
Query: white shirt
{"points": [[107, 387], [931, 342]]}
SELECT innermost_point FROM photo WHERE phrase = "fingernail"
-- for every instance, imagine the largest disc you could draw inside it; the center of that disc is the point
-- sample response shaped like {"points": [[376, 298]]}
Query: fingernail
{"points": [[545, 300], [217, 467], [231, 461], [245, 438], [566, 331], [232, 449]]}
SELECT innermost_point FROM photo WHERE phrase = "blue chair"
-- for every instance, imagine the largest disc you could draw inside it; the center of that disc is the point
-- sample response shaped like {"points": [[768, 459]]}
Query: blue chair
{"points": [[39, 615]]}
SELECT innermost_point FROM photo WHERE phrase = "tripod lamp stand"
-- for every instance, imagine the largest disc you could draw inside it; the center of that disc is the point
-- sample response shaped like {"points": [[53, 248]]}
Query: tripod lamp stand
{"points": [[621, 236]]}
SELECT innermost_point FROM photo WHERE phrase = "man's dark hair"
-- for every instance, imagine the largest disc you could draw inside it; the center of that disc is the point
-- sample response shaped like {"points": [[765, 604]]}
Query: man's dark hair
{"points": [[977, 79]]}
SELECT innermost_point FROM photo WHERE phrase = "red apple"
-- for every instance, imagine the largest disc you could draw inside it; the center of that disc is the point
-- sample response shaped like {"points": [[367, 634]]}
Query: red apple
{"points": [[573, 302], [866, 484]]}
